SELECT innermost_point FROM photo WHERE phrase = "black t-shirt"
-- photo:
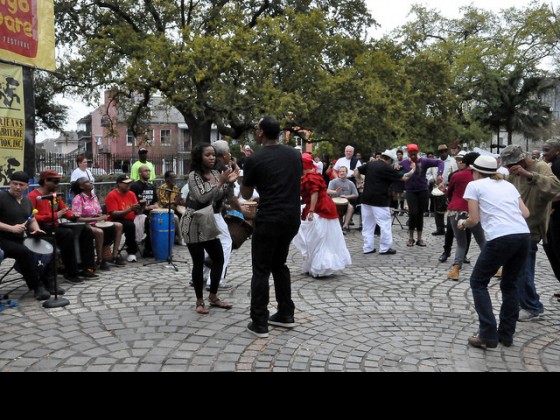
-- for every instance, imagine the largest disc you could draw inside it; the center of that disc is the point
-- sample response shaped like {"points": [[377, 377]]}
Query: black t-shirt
{"points": [[555, 167], [379, 177], [13, 213], [145, 191], [275, 171]]}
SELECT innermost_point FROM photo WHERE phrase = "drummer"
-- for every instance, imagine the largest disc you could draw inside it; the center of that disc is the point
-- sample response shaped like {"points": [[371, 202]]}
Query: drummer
{"points": [[169, 192], [344, 188], [86, 207], [148, 199], [48, 185], [15, 210]]}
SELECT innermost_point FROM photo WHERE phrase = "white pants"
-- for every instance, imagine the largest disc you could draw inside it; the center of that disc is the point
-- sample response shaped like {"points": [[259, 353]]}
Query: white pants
{"points": [[225, 239], [372, 216]]}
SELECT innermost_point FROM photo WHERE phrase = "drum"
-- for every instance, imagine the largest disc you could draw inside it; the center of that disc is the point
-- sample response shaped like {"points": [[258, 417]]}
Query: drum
{"points": [[162, 231], [239, 228], [108, 237], [341, 206], [77, 230], [42, 252], [249, 210]]}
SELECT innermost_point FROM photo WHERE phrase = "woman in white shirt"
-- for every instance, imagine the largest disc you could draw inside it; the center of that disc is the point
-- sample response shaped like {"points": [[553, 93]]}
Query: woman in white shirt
{"points": [[82, 170], [498, 206]]}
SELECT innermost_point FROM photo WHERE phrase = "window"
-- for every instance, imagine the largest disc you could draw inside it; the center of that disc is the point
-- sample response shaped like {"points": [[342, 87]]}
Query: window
{"points": [[165, 137], [129, 139]]}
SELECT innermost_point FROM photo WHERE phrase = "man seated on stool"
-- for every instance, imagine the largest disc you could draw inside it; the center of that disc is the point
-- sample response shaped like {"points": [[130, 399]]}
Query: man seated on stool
{"points": [[15, 212], [169, 192], [48, 184], [344, 188], [148, 199], [122, 206]]}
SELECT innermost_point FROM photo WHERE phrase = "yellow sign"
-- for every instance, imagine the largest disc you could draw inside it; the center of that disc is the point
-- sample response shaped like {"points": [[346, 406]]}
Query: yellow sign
{"points": [[27, 33], [12, 121]]}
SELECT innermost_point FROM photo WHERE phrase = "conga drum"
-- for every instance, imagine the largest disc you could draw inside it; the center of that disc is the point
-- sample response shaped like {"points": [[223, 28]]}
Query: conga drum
{"points": [[162, 231], [249, 210], [42, 252], [77, 230], [341, 207], [108, 237], [239, 228]]}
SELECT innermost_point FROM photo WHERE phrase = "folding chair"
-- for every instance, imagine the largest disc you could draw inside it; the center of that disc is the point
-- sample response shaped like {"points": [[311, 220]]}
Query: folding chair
{"points": [[395, 214]]}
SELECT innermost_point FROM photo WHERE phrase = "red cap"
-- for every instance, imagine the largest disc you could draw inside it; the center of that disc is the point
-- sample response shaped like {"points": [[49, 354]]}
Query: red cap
{"points": [[412, 147], [49, 174]]}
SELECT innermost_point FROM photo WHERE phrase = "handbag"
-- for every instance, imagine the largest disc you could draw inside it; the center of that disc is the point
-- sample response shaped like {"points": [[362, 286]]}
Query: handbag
{"points": [[204, 218]]}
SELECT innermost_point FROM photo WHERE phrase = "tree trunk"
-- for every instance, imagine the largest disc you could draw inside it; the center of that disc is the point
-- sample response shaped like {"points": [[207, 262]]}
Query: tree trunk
{"points": [[200, 130]]}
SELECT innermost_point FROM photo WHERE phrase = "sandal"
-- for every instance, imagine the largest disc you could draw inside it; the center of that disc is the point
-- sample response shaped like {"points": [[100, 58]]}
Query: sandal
{"points": [[410, 242], [219, 304], [200, 309], [421, 242]]}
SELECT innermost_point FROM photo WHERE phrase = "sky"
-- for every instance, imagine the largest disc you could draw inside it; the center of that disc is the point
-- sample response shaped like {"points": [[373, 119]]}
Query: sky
{"points": [[388, 13]]}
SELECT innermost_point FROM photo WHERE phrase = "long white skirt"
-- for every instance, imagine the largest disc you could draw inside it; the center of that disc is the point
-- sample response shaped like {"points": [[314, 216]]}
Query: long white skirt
{"points": [[323, 247]]}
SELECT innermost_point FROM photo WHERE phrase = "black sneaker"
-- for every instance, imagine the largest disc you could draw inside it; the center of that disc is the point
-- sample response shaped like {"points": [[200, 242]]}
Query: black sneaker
{"points": [[390, 251], [41, 293], [88, 273], [443, 257], [282, 321], [261, 332], [73, 278]]}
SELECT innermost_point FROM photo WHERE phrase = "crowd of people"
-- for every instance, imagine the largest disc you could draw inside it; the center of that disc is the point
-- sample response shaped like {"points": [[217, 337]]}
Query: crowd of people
{"points": [[509, 203]]}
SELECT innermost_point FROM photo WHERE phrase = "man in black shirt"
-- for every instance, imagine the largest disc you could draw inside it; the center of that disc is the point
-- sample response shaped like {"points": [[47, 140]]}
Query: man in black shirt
{"points": [[146, 192], [275, 170], [16, 218]]}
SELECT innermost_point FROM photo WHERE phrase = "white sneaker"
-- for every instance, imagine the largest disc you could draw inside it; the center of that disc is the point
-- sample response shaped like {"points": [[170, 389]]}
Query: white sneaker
{"points": [[183, 243], [131, 258]]}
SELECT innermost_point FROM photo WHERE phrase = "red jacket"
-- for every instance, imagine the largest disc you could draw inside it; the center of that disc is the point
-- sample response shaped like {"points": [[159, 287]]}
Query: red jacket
{"points": [[44, 217]]}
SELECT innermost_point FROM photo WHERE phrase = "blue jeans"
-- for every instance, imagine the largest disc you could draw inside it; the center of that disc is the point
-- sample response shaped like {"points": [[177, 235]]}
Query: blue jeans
{"points": [[510, 253], [528, 297]]}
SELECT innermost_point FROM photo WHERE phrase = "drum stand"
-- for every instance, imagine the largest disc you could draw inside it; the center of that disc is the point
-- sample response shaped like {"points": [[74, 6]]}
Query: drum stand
{"points": [[56, 302], [169, 260]]}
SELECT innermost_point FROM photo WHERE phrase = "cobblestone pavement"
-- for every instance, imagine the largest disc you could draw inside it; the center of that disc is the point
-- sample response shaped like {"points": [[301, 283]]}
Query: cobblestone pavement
{"points": [[384, 313]]}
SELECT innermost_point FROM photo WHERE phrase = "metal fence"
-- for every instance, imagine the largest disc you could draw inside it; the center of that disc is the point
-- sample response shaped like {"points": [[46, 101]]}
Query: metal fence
{"points": [[109, 163]]}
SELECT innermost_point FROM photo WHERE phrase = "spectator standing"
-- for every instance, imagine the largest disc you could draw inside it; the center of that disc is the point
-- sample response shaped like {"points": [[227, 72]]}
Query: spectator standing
{"points": [[142, 161], [275, 170], [551, 155], [350, 161]]}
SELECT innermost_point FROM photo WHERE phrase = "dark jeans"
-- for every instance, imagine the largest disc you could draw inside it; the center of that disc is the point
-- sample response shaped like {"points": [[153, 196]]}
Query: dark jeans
{"points": [[129, 230], [14, 248], [216, 254], [270, 247], [417, 202], [510, 253], [65, 241], [552, 247]]}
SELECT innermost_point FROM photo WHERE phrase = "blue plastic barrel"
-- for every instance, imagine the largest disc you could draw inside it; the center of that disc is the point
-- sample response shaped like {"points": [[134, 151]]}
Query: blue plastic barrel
{"points": [[162, 233]]}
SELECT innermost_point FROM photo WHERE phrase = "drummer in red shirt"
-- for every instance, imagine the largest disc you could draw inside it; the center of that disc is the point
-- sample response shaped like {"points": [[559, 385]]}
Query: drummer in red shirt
{"points": [[122, 206], [48, 184]]}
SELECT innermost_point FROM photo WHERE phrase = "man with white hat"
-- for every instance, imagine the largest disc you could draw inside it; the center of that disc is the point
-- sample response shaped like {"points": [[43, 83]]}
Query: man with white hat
{"points": [[376, 199], [537, 186]]}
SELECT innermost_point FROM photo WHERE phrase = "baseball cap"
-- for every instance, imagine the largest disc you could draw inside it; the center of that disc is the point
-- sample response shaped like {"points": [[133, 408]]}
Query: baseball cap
{"points": [[51, 173], [442, 147], [412, 147], [512, 154], [124, 179], [142, 150], [461, 154]]}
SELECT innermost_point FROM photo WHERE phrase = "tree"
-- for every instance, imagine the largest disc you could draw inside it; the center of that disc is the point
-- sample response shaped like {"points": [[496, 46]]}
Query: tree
{"points": [[216, 61]]}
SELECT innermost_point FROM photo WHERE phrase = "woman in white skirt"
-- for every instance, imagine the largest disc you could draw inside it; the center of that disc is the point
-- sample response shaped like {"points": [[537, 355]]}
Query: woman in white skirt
{"points": [[320, 238]]}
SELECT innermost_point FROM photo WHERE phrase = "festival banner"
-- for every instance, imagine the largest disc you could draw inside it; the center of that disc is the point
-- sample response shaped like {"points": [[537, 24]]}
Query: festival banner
{"points": [[12, 121], [27, 33]]}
